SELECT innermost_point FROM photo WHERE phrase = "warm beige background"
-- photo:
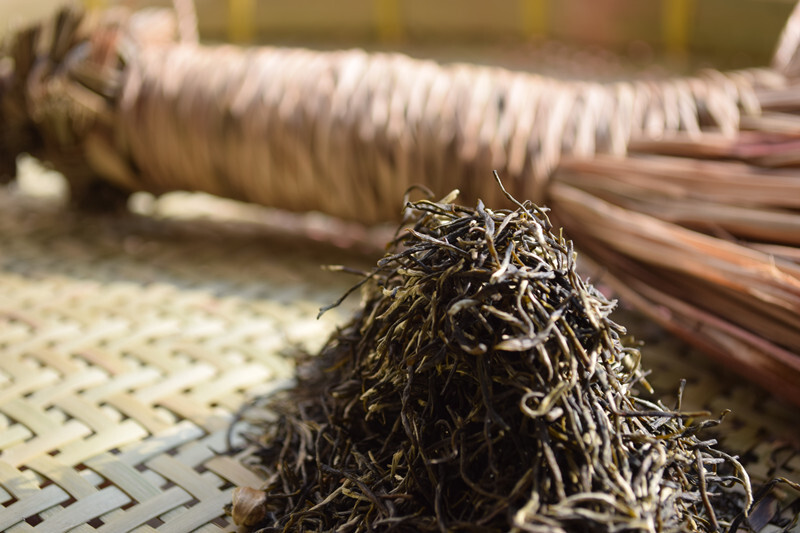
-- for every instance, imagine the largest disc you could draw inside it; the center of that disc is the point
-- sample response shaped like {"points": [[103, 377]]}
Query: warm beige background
{"points": [[15, 13], [724, 32]]}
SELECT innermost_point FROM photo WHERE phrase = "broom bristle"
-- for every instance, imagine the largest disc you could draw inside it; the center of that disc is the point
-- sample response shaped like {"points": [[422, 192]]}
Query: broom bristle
{"points": [[716, 288]]}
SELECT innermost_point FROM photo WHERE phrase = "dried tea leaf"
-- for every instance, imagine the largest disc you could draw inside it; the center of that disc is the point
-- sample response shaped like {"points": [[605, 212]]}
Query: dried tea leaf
{"points": [[483, 386]]}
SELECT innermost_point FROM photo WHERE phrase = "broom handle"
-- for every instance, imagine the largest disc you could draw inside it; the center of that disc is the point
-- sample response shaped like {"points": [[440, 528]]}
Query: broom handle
{"points": [[348, 132], [343, 132]]}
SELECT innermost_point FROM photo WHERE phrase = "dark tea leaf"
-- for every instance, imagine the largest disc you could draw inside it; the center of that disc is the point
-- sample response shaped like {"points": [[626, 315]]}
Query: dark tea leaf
{"points": [[483, 387]]}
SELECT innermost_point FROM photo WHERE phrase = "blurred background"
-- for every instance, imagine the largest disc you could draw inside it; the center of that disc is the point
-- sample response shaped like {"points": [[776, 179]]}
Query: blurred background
{"points": [[683, 34]]}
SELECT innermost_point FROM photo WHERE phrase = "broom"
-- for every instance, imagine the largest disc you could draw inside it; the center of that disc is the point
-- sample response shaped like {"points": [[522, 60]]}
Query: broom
{"points": [[684, 190]]}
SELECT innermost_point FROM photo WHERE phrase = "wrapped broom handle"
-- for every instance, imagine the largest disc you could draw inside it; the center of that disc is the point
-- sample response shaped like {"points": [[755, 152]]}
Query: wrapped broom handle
{"points": [[345, 133], [348, 132], [707, 249]]}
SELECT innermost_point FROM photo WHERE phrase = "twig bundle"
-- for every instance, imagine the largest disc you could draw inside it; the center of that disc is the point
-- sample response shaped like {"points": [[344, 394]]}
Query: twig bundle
{"points": [[482, 386], [669, 185]]}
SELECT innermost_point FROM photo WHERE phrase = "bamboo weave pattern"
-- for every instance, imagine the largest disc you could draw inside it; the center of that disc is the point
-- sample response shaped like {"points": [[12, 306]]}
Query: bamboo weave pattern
{"points": [[125, 353]]}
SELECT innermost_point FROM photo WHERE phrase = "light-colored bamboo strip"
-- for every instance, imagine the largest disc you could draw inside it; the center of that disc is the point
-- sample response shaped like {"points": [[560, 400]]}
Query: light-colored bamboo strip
{"points": [[116, 416]]}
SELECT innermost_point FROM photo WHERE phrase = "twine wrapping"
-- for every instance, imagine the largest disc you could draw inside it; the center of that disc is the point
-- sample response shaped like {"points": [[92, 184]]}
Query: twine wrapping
{"points": [[348, 132]]}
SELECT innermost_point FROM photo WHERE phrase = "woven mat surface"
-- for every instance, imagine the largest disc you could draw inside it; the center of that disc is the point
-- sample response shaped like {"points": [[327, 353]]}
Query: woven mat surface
{"points": [[128, 343]]}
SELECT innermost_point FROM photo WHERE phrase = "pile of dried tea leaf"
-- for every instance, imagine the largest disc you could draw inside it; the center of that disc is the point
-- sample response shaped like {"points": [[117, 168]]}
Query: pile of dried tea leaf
{"points": [[483, 387]]}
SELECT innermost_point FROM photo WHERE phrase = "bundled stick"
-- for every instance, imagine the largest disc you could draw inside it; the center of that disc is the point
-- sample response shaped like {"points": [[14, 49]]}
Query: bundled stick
{"points": [[681, 189]]}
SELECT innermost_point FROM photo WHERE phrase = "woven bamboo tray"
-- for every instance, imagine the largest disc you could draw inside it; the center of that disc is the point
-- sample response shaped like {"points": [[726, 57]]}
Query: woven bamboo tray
{"points": [[129, 343]]}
